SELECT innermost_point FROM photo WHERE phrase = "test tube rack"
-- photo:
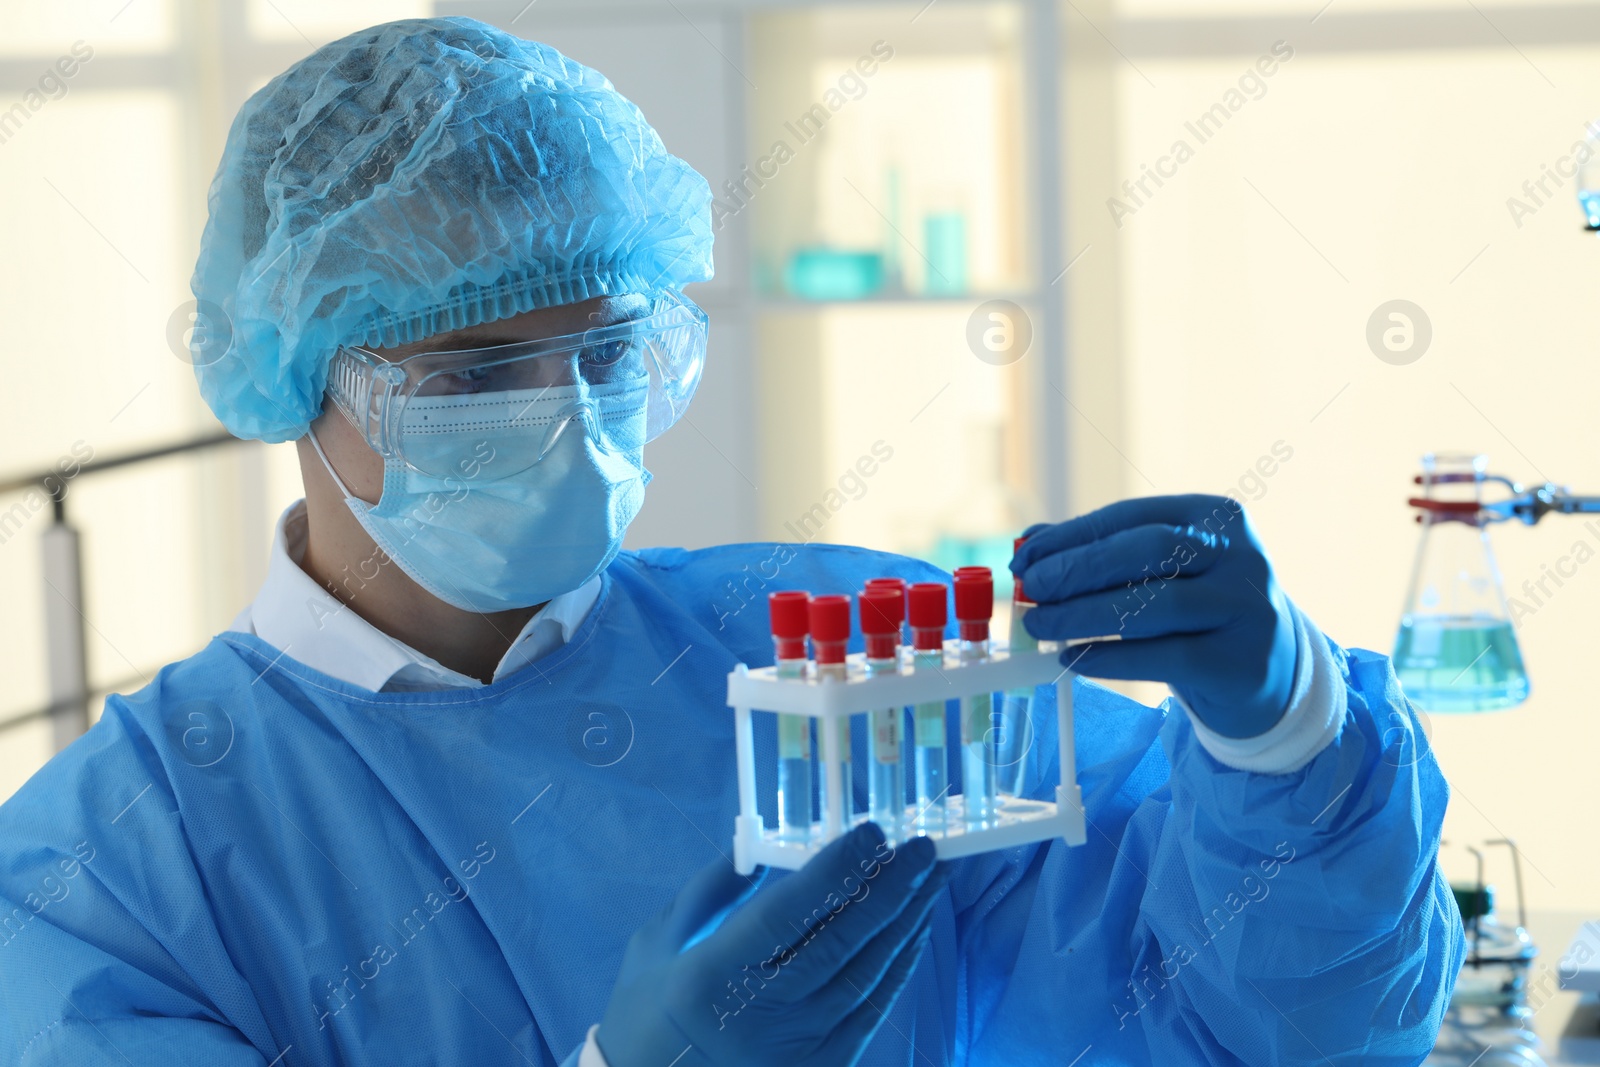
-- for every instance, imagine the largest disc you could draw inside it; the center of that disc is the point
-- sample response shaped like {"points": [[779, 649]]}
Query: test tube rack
{"points": [[1020, 821]]}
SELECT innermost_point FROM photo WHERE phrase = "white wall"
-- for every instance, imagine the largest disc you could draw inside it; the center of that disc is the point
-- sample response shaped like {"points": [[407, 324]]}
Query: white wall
{"points": [[1246, 284]]}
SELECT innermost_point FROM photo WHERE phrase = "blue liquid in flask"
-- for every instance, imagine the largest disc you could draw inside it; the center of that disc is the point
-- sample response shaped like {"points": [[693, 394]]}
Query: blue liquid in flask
{"points": [[1591, 207], [1460, 663]]}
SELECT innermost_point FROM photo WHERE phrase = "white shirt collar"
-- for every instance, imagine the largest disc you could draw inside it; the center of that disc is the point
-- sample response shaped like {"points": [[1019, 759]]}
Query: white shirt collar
{"points": [[299, 618]]}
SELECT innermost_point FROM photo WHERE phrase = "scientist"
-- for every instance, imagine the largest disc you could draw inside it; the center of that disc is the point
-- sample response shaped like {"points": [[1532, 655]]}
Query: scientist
{"points": [[372, 822]]}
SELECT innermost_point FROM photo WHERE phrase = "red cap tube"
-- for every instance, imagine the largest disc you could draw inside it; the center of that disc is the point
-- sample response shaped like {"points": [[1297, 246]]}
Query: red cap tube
{"points": [[830, 627], [929, 613], [974, 602], [1017, 594], [881, 609], [790, 622], [898, 587]]}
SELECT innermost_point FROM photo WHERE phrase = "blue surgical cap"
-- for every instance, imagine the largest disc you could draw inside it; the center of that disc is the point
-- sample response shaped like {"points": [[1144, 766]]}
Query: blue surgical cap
{"points": [[417, 177]]}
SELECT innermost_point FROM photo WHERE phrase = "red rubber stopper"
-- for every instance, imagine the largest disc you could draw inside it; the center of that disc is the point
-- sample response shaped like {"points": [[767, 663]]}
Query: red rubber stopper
{"points": [[830, 627], [892, 586], [880, 611], [898, 587], [974, 602], [881, 608], [930, 610], [791, 619]]}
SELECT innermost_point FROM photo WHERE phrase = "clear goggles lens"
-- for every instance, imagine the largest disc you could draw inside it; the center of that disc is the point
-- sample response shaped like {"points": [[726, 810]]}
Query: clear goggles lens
{"points": [[493, 412]]}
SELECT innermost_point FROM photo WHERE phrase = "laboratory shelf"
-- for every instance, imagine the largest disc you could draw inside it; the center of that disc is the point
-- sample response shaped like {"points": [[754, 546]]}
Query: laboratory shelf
{"points": [[1019, 821]]}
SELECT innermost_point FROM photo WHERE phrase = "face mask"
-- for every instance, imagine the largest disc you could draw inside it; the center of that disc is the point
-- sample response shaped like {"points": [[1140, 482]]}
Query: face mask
{"points": [[485, 544]]}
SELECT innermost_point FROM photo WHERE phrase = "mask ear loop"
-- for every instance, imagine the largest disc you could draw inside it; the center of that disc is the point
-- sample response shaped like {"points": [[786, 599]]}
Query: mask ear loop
{"points": [[338, 481]]}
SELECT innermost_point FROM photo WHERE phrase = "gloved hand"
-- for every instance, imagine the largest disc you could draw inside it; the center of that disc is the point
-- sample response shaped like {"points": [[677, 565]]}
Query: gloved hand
{"points": [[1187, 586], [801, 975]]}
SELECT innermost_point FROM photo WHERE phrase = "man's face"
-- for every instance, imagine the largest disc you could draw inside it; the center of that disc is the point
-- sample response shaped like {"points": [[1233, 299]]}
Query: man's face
{"points": [[362, 468]]}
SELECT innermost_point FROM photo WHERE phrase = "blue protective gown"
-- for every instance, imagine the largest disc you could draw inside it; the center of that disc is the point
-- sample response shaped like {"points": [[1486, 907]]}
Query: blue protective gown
{"points": [[249, 862]]}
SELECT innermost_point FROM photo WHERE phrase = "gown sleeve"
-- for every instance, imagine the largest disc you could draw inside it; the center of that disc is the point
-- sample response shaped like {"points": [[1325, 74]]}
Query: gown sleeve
{"points": [[1219, 915], [69, 1003], [104, 924]]}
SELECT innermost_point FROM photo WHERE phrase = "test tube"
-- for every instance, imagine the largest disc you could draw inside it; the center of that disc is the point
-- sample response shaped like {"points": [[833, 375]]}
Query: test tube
{"points": [[1016, 724], [830, 634], [929, 612], [974, 606], [882, 608], [899, 586], [790, 624]]}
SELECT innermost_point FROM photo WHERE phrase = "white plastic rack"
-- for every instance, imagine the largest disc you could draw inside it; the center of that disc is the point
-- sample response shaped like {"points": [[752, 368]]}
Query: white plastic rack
{"points": [[1020, 821]]}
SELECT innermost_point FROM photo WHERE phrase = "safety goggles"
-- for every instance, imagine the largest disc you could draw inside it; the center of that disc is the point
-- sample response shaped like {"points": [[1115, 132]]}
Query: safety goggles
{"points": [[494, 412]]}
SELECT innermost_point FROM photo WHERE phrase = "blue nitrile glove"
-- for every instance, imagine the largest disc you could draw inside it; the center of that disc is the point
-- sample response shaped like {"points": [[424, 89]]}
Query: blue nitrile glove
{"points": [[803, 974], [1185, 583]]}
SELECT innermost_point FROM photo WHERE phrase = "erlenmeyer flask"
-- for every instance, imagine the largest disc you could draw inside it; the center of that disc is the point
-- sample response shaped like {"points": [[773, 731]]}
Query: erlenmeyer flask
{"points": [[1456, 650], [1589, 179]]}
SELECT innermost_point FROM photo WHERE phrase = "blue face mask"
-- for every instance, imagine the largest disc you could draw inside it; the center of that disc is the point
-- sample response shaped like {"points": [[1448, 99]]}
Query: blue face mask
{"points": [[485, 544]]}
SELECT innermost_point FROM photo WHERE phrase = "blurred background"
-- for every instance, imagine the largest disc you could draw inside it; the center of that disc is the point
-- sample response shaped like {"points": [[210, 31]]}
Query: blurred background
{"points": [[960, 240]]}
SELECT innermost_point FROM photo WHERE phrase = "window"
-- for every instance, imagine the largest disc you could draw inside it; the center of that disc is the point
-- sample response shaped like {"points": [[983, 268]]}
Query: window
{"points": [[111, 120]]}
